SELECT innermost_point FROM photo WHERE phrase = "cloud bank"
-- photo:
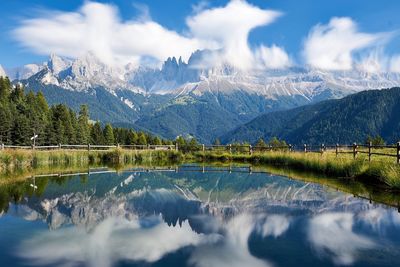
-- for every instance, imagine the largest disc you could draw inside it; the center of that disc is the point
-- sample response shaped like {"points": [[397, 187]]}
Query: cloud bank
{"points": [[222, 31], [332, 46], [98, 28]]}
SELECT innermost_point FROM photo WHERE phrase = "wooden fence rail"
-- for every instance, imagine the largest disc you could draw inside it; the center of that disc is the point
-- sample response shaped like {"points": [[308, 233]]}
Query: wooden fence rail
{"points": [[354, 149]]}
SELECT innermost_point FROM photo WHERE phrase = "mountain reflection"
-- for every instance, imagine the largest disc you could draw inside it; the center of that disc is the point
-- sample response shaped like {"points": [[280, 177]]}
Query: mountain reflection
{"points": [[219, 219]]}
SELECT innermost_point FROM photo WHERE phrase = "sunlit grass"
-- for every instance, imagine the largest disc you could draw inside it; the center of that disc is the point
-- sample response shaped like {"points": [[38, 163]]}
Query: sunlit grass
{"points": [[381, 169]]}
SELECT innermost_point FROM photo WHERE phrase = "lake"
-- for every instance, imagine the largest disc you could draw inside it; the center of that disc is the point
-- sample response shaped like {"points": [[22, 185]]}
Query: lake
{"points": [[191, 216]]}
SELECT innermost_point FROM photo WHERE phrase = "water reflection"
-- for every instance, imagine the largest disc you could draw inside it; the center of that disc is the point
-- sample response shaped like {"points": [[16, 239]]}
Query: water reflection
{"points": [[332, 234], [196, 219]]}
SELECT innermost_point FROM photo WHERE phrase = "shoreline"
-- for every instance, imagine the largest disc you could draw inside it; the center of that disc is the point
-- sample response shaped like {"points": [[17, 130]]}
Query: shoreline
{"points": [[381, 173]]}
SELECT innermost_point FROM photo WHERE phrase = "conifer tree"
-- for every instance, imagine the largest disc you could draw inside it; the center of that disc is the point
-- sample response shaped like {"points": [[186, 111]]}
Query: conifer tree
{"points": [[108, 135], [83, 134], [142, 139]]}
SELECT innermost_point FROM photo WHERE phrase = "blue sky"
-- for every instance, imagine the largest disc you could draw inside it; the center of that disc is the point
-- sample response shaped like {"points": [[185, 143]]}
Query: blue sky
{"points": [[289, 31]]}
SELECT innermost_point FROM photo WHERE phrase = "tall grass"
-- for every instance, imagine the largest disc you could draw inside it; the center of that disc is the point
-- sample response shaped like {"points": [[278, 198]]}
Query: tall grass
{"points": [[14, 160], [382, 171]]}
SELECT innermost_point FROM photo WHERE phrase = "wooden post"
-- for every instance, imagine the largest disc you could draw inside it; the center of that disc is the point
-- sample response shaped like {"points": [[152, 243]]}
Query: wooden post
{"points": [[2, 146], [398, 152], [176, 147], [369, 151], [354, 150], [59, 146], [250, 150], [117, 145], [88, 147], [204, 148], [305, 148], [337, 150], [230, 148]]}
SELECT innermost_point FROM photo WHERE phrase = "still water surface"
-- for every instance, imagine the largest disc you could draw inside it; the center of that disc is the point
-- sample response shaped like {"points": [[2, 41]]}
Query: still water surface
{"points": [[191, 218]]}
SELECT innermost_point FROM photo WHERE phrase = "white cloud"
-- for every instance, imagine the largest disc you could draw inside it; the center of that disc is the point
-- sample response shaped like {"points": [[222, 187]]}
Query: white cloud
{"points": [[273, 57], [331, 234], [275, 225], [227, 29], [395, 64], [113, 240], [332, 46], [233, 251], [98, 28]]}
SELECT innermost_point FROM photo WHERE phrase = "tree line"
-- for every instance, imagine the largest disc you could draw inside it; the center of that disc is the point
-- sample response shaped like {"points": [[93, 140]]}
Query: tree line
{"points": [[23, 115]]}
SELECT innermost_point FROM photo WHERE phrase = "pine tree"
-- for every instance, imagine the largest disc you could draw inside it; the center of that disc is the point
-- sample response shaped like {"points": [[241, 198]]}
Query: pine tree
{"points": [[108, 135], [83, 134], [261, 143], [6, 123], [96, 134], [132, 138], [142, 139]]}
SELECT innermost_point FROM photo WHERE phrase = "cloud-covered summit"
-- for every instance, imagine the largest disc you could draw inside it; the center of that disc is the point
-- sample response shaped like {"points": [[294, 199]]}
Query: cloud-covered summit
{"points": [[223, 30], [98, 28]]}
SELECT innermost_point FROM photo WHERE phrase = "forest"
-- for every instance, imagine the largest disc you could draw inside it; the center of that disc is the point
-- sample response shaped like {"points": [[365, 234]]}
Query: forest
{"points": [[24, 115]]}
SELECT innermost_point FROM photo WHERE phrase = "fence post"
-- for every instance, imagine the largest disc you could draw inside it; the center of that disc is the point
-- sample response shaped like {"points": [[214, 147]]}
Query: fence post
{"points": [[176, 147], [117, 145], [337, 150], [290, 148], [250, 150], [230, 148], [204, 148], [354, 150], [322, 148], [369, 151], [398, 152], [2, 146], [59, 146], [305, 148], [88, 147]]}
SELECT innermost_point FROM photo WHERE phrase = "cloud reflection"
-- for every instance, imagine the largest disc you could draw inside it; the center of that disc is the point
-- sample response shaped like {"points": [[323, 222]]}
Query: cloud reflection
{"points": [[112, 240], [331, 234], [275, 225], [233, 250]]}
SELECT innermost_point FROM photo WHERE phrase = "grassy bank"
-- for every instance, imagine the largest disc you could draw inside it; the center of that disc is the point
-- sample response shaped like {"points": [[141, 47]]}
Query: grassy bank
{"points": [[381, 171], [16, 160]]}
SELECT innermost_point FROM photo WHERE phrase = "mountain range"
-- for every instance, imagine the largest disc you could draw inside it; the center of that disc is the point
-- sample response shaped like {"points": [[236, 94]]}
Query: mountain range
{"points": [[186, 98]]}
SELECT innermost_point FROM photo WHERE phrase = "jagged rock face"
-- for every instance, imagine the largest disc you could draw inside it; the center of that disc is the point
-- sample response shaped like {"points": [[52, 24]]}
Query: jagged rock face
{"points": [[177, 77]]}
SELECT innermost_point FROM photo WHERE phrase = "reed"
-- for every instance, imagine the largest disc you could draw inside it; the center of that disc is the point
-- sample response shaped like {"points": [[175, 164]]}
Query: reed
{"points": [[380, 171], [14, 160]]}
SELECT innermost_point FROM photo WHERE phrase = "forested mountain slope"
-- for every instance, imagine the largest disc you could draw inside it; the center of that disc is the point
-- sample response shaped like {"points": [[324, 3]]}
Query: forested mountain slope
{"points": [[347, 120]]}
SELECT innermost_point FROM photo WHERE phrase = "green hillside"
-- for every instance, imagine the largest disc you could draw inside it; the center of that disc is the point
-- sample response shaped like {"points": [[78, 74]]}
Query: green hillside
{"points": [[347, 120]]}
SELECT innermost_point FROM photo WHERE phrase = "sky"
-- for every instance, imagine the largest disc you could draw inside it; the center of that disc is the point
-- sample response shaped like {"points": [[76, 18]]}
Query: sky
{"points": [[332, 34]]}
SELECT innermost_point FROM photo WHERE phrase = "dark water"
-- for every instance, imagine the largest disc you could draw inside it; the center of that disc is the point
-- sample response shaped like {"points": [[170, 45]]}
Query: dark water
{"points": [[191, 218]]}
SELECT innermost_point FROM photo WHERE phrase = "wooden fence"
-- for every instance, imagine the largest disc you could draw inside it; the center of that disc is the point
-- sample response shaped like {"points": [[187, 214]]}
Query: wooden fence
{"points": [[354, 149], [90, 147]]}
